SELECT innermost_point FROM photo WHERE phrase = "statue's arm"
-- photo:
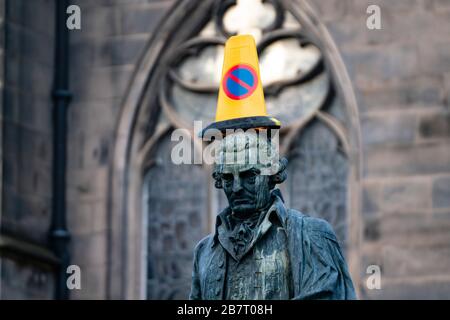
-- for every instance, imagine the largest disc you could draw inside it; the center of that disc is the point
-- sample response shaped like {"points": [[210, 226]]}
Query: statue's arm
{"points": [[195, 293], [324, 272]]}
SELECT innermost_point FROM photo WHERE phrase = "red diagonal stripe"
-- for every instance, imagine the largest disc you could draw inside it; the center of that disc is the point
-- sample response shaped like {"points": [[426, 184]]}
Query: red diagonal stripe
{"points": [[239, 81]]}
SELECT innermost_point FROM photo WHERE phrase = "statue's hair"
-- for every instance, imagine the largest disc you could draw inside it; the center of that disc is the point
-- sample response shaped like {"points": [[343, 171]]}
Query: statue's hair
{"points": [[217, 175], [281, 174], [249, 146], [275, 179]]}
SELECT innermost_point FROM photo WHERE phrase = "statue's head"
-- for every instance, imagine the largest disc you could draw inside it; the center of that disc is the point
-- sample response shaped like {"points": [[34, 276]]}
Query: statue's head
{"points": [[247, 168]]}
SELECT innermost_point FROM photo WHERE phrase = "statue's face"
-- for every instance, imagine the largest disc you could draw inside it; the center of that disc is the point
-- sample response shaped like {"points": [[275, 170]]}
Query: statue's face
{"points": [[246, 167], [246, 189]]}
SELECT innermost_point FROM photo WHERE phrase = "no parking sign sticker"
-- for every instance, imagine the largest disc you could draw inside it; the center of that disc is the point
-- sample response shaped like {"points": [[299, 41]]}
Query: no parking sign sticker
{"points": [[240, 81]]}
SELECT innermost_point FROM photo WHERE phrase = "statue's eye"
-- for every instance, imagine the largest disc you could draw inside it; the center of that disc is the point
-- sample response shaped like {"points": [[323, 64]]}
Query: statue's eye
{"points": [[249, 176], [227, 177]]}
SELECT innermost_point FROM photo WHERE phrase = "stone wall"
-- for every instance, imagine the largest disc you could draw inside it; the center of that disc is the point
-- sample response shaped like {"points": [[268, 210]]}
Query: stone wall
{"points": [[2, 58], [2, 83], [402, 83], [104, 54], [401, 77], [27, 146]]}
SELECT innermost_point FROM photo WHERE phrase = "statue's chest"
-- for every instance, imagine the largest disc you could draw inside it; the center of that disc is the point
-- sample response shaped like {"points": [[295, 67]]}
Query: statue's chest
{"points": [[263, 273]]}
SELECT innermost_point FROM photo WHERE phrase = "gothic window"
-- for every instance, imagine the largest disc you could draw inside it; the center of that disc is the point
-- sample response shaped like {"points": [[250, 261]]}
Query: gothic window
{"points": [[179, 202], [175, 201]]}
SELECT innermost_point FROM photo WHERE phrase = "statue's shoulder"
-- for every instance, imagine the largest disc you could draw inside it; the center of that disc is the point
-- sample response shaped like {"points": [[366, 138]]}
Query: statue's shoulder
{"points": [[295, 216], [311, 225], [203, 244]]}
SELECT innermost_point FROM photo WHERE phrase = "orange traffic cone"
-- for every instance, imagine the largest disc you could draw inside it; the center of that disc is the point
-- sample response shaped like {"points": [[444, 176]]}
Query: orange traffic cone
{"points": [[241, 98]]}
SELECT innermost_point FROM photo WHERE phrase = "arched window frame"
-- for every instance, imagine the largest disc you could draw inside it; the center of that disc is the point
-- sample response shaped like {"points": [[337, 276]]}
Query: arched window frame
{"points": [[138, 131]]}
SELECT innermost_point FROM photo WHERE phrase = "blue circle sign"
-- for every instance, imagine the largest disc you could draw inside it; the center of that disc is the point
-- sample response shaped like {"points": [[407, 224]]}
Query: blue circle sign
{"points": [[240, 81]]}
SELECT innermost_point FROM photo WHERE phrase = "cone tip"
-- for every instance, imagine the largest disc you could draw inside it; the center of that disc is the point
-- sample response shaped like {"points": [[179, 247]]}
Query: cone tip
{"points": [[240, 40]]}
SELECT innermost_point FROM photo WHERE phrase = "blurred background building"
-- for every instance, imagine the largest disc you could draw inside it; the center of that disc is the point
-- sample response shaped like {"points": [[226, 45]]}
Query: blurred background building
{"points": [[366, 129]]}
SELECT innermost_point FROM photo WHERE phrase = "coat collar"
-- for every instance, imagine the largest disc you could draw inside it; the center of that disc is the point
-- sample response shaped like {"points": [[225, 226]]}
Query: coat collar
{"points": [[277, 209]]}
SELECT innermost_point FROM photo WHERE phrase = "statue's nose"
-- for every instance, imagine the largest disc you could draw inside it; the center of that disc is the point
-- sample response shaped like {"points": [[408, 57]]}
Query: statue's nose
{"points": [[237, 184]]}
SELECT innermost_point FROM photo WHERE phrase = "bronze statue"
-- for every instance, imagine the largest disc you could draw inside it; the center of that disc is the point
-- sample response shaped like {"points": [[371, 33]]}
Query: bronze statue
{"points": [[260, 249]]}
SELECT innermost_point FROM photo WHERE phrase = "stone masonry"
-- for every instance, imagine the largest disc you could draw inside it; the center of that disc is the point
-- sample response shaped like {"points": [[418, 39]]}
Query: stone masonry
{"points": [[26, 142], [401, 78]]}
